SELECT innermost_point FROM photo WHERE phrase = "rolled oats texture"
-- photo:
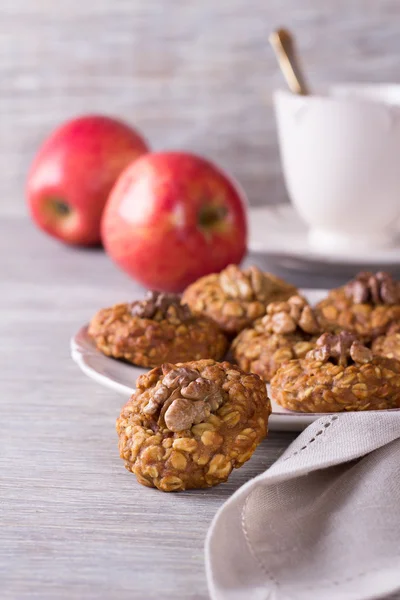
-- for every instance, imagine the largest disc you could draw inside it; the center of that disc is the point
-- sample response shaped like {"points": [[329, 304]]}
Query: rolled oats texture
{"points": [[208, 422], [235, 298], [172, 334], [283, 334], [387, 345], [263, 353], [309, 385], [366, 306]]}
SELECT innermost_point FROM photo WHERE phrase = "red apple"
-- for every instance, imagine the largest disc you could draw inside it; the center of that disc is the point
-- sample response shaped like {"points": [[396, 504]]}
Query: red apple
{"points": [[73, 173], [173, 217]]}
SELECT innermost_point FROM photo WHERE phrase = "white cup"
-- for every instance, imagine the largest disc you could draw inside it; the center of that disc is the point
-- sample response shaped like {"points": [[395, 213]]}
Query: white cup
{"points": [[341, 162]]}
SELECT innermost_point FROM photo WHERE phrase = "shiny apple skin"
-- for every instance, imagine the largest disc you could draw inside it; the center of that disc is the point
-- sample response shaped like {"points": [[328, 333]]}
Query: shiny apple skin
{"points": [[151, 224], [78, 165]]}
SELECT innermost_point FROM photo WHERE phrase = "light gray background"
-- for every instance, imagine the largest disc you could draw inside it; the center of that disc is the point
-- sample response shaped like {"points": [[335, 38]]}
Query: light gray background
{"points": [[191, 74]]}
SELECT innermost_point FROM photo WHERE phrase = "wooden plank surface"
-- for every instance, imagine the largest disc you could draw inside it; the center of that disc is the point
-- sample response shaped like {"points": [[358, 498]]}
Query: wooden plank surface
{"points": [[194, 75], [74, 524]]}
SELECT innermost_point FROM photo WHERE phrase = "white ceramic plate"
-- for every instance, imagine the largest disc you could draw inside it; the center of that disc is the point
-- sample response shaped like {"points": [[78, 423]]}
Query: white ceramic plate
{"points": [[278, 232], [121, 377]]}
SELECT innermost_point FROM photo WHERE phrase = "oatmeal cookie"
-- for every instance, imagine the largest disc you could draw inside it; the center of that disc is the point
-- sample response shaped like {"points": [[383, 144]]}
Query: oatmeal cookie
{"points": [[388, 345], [367, 306], [188, 425], [287, 331], [155, 330], [235, 298], [340, 374]]}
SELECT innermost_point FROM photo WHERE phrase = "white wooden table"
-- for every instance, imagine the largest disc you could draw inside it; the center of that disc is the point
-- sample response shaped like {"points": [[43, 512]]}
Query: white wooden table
{"points": [[74, 524]]}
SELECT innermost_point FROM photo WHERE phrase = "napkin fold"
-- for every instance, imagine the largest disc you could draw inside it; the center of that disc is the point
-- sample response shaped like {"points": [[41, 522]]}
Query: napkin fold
{"points": [[323, 522]]}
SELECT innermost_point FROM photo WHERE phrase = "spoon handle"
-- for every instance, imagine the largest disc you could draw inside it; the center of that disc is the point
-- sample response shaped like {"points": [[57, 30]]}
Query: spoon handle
{"points": [[282, 42]]}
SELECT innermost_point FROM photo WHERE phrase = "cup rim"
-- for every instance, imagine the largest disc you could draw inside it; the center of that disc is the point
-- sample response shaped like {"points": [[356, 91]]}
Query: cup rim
{"points": [[360, 93]]}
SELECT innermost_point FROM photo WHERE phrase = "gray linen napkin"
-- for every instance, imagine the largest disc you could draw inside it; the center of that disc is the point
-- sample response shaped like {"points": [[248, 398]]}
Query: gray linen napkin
{"points": [[322, 522]]}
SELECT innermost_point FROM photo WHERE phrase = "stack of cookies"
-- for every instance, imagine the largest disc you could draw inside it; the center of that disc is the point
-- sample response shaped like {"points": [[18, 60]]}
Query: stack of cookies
{"points": [[192, 418]]}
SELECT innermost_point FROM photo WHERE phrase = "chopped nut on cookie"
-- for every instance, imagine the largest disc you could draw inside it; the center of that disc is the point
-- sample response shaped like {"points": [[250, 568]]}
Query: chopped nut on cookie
{"points": [[188, 425], [235, 298], [339, 374], [155, 330], [368, 305], [287, 331]]}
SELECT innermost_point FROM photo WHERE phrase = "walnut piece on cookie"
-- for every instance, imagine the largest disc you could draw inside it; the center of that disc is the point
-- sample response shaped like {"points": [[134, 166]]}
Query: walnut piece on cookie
{"points": [[287, 331], [188, 425], [339, 374], [235, 298], [368, 305], [156, 330]]}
